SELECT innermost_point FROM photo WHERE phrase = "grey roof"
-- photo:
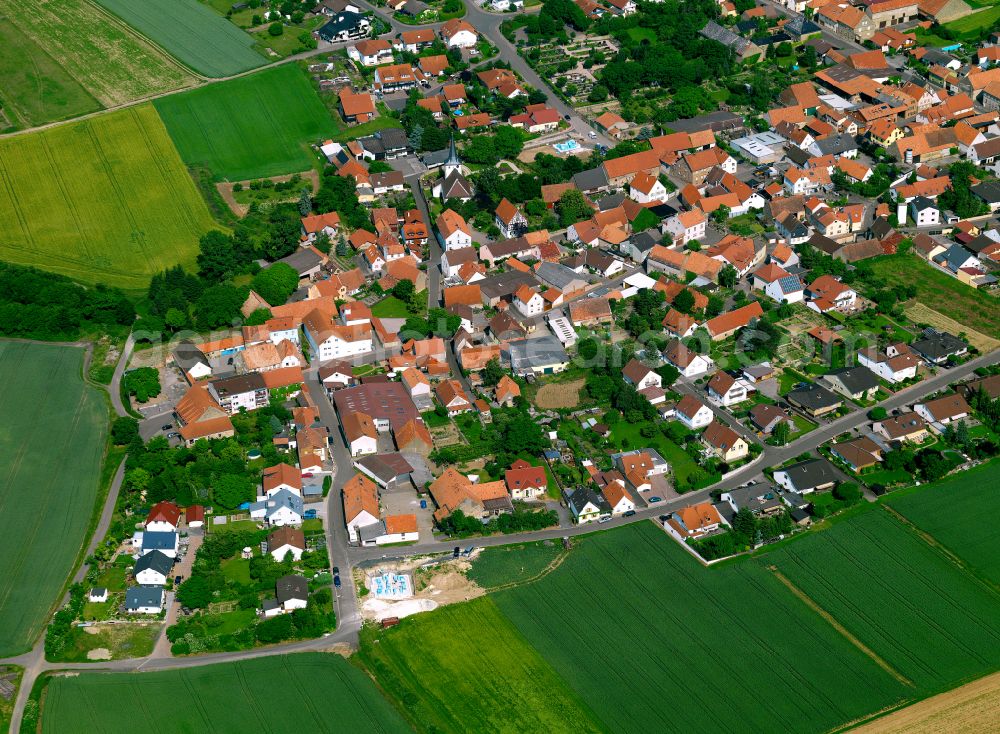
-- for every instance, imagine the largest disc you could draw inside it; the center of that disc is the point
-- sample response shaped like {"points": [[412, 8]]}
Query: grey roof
{"points": [[716, 121], [954, 257], [591, 180], [342, 21], [811, 473], [436, 158], [797, 155], [159, 539], [988, 191], [525, 354], [856, 379], [799, 26], [238, 385], [790, 284], [919, 203], [370, 532], [757, 497], [558, 276], [393, 138], [303, 260], [155, 561], [837, 144], [724, 36], [644, 241], [582, 495], [187, 355], [291, 587], [143, 596], [456, 186], [611, 201], [938, 345], [935, 56], [814, 397], [505, 284], [268, 604], [386, 467], [281, 499]]}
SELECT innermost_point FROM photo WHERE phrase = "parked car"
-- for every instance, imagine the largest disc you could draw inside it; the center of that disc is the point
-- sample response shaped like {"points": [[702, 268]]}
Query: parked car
{"points": [[173, 434], [177, 580], [309, 514], [629, 513], [653, 500], [336, 581], [166, 426], [606, 518], [336, 570]]}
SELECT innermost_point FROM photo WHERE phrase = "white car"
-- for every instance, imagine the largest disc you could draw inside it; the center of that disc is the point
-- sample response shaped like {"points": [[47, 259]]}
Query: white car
{"points": [[593, 135]]}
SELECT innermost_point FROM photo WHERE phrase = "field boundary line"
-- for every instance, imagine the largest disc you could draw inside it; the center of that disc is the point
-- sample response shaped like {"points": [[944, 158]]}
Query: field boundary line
{"points": [[938, 546], [549, 568], [832, 621]]}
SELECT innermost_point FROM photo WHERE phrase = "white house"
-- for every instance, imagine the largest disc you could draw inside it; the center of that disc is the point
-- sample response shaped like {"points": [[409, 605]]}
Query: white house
{"points": [[371, 52], [329, 340], [807, 476], [693, 413], [281, 508], [943, 410], [618, 498], [645, 189], [144, 600], [588, 506], [166, 543], [924, 212], [529, 301], [778, 284], [291, 592], [895, 363], [458, 33], [152, 569], [454, 230], [686, 226], [641, 376], [284, 542], [728, 390], [688, 363], [97, 595], [163, 517]]}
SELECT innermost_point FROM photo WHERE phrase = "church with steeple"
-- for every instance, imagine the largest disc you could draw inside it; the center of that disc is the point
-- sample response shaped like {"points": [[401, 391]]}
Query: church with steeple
{"points": [[453, 184]]}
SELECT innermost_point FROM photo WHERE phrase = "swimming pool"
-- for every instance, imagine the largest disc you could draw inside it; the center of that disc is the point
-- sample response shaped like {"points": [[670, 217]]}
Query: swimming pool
{"points": [[566, 146], [458, 113], [390, 586]]}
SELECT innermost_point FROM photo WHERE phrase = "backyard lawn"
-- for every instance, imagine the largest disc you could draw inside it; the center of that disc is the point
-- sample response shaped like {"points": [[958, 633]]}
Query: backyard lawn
{"points": [[391, 307], [681, 464]]}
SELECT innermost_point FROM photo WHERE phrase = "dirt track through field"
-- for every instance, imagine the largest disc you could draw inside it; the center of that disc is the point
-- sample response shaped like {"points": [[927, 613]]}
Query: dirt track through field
{"points": [[839, 627], [974, 707]]}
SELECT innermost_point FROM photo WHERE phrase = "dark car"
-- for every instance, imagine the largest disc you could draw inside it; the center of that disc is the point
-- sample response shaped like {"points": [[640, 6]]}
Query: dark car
{"points": [[456, 551], [629, 513], [336, 570], [655, 499], [566, 117], [166, 426], [177, 579], [336, 581]]}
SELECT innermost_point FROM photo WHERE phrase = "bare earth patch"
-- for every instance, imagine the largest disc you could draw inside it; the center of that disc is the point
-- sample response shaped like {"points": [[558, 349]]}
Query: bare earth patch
{"points": [[925, 315], [434, 586], [559, 395], [99, 653], [974, 707]]}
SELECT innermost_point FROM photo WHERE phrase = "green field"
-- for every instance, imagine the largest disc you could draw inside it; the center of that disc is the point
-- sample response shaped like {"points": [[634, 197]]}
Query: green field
{"points": [[52, 429], [102, 55], [947, 295], [955, 511], [934, 624], [465, 668], [505, 564], [35, 88], [192, 32], [971, 26], [257, 125], [101, 200], [289, 693], [630, 620]]}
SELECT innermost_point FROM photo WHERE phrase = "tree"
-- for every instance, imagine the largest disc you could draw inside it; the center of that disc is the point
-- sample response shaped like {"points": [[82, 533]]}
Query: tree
{"points": [[276, 29], [143, 383], [721, 214], [195, 593], [342, 248], [492, 373], [728, 276], [276, 283], [877, 414], [684, 301], [847, 492], [230, 490], [715, 306], [124, 429], [781, 432], [508, 141], [305, 203], [572, 207], [404, 290]]}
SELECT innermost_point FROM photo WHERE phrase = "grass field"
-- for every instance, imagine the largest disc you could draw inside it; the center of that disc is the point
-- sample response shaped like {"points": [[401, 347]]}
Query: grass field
{"points": [[971, 25], [931, 622], [254, 126], [290, 693], [922, 314], [629, 616], [953, 512], [193, 33], [466, 668], [102, 200], [976, 309], [52, 429], [35, 87], [104, 56], [505, 564]]}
